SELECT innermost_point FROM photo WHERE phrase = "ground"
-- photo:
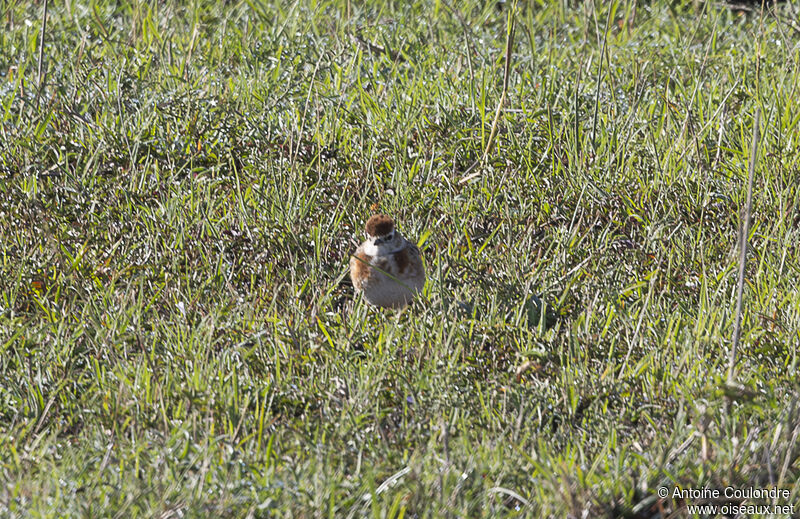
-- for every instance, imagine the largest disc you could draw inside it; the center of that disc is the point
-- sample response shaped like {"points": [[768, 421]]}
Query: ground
{"points": [[181, 187]]}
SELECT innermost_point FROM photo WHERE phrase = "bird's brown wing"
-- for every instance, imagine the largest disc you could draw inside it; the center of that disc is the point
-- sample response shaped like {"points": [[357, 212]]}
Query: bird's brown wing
{"points": [[359, 267]]}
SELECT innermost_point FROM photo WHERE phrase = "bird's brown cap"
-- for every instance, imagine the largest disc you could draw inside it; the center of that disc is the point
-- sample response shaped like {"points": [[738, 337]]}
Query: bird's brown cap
{"points": [[379, 225]]}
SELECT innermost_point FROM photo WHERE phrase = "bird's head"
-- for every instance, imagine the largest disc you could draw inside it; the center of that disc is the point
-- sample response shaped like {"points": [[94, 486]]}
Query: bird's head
{"points": [[382, 235]]}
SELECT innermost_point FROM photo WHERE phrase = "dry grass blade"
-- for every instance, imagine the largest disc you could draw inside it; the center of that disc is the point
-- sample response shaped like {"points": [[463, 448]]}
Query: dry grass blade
{"points": [[469, 50], [39, 78], [599, 78], [510, 493], [737, 331], [496, 121], [506, 73]]}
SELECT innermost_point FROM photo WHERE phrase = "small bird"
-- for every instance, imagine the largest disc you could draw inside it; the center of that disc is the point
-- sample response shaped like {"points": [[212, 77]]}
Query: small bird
{"points": [[387, 268]]}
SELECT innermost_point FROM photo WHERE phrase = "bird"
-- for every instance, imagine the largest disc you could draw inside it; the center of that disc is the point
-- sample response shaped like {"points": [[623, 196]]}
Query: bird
{"points": [[387, 268]]}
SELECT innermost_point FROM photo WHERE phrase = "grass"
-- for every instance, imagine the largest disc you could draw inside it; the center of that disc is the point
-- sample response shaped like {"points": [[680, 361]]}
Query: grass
{"points": [[180, 198]]}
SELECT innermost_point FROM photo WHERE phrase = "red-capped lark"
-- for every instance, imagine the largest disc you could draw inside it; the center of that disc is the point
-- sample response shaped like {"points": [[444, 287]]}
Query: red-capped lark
{"points": [[387, 268]]}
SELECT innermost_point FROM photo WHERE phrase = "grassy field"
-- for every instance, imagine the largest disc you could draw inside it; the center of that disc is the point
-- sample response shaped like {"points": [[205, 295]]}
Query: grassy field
{"points": [[181, 186]]}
